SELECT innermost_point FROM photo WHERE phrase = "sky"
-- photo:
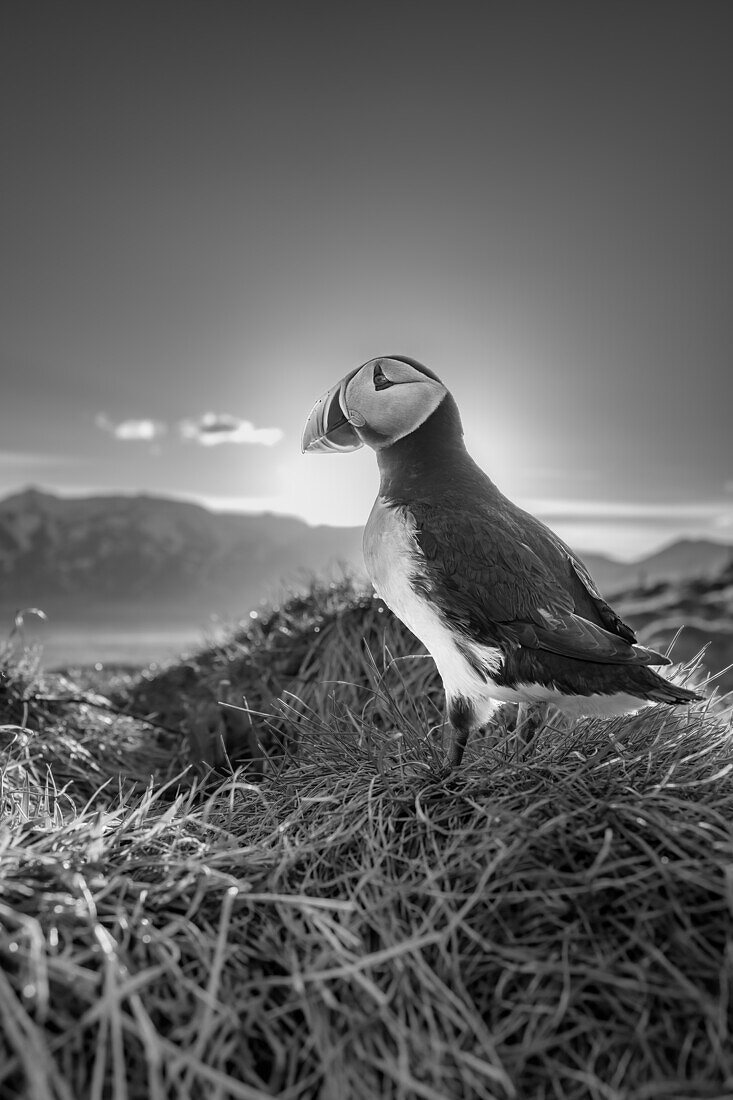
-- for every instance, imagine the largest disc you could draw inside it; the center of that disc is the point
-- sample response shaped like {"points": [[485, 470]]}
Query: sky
{"points": [[211, 211]]}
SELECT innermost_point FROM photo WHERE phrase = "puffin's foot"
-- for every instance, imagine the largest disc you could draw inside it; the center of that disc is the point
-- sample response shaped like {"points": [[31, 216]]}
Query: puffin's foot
{"points": [[531, 719]]}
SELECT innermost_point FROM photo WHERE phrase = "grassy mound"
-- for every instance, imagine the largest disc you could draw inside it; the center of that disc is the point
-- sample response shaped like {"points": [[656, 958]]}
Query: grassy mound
{"points": [[357, 925], [245, 701]]}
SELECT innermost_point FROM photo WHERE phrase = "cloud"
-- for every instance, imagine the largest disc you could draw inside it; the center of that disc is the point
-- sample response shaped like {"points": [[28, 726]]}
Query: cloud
{"points": [[131, 430], [208, 430], [213, 428]]}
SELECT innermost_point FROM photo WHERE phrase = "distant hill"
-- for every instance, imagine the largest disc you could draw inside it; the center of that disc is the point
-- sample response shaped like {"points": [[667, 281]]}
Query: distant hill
{"points": [[151, 559], [687, 558], [684, 558]]}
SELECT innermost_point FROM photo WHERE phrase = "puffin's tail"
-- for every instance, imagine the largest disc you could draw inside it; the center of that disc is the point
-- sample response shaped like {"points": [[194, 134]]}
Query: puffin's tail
{"points": [[661, 691]]}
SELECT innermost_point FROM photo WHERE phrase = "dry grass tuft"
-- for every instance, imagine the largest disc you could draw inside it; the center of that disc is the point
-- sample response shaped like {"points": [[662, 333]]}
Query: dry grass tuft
{"points": [[357, 925]]}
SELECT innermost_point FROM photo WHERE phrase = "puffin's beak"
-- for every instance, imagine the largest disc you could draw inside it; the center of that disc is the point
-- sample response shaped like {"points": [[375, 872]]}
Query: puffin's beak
{"points": [[327, 428]]}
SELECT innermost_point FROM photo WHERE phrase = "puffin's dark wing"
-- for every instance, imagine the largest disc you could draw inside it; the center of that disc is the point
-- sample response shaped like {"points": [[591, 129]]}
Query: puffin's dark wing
{"points": [[503, 581], [587, 595]]}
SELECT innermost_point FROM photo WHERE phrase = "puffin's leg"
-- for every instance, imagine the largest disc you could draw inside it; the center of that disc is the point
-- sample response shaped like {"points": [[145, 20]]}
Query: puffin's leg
{"points": [[531, 718], [462, 717]]}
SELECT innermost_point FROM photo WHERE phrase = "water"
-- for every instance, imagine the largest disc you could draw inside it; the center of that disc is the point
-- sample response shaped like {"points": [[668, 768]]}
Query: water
{"points": [[64, 646]]}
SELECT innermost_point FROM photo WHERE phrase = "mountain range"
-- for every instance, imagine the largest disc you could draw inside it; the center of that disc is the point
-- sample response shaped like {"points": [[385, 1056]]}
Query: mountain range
{"points": [[134, 562], [155, 560]]}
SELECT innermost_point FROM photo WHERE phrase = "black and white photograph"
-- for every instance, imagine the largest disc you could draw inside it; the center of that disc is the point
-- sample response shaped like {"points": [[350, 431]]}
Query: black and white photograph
{"points": [[366, 550]]}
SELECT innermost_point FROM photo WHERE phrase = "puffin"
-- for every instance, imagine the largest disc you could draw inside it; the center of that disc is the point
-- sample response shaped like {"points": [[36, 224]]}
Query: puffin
{"points": [[509, 613]]}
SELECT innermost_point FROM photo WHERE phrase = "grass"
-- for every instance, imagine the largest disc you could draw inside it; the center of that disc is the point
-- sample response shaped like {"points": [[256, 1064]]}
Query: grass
{"points": [[355, 924]]}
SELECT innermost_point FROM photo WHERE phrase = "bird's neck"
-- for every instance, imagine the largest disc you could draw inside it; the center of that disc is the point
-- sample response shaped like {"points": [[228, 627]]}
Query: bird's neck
{"points": [[431, 461]]}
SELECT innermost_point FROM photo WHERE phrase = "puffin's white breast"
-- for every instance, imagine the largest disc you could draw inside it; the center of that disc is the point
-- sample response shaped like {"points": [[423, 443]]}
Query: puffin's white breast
{"points": [[392, 558]]}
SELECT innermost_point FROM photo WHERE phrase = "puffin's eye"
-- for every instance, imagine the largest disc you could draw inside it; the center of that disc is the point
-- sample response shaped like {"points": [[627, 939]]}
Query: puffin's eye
{"points": [[381, 382]]}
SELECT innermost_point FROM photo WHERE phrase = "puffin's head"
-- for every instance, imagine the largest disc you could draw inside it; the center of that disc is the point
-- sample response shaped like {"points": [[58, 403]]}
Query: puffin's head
{"points": [[377, 404]]}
